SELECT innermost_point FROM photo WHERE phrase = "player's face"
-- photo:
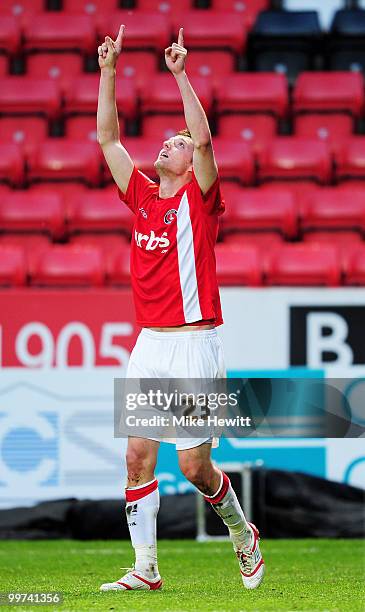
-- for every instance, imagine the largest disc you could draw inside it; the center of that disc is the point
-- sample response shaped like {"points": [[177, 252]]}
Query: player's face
{"points": [[176, 156]]}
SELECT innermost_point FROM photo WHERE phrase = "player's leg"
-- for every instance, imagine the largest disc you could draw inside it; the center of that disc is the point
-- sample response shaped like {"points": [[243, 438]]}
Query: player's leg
{"points": [[196, 465], [142, 505]]}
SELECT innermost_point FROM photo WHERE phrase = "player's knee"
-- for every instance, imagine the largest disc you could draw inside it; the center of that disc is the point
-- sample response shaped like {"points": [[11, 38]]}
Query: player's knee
{"points": [[139, 464], [196, 471]]}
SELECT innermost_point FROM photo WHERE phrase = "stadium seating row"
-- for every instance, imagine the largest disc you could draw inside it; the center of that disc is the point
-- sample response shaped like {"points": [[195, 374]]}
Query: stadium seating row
{"points": [[289, 158], [283, 41], [256, 130], [276, 209], [146, 29], [24, 9], [56, 86], [237, 264]]}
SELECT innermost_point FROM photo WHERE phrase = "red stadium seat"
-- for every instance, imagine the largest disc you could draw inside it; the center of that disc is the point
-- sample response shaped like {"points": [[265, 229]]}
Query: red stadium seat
{"points": [[257, 209], [9, 34], [24, 95], [351, 184], [89, 7], [82, 128], [293, 158], [166, 7], [162, 127], [264, 241], [214, 65], [336, 238], [11, 164], [330, 91], [345, 242], [12, 266], [301, 191], [82, 95], [99, 10], [238, 265], [69, 266], [67, 190], [64, 68], [4, 190], [212, 29], [139, 66], [62, 158], [247, 10], [255, 130], [162, 94], [18, 7], [303, 265], [119, 269], [354, 269], [33, 245], [22, 211], [333, 129], [264, 92], [4, 67], [235, 160], [150, 30], [27, 132], [59, 31], [333, 208], [99, 210], [22, 10], [169, 8], [350, 158], [109, 244]]}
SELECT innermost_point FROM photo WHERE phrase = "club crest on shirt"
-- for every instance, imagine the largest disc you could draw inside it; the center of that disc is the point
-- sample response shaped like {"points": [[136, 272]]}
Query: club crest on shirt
{"points": [[170, 216]]}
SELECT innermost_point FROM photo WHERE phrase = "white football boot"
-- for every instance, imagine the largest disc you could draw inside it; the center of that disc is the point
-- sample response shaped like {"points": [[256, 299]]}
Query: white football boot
{"points": [[251, 563], [133, 580]]}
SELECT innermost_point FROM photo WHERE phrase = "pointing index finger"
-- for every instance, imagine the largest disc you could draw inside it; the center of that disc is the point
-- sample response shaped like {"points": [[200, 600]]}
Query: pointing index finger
{"points": [[120, 35], [180, 40]]}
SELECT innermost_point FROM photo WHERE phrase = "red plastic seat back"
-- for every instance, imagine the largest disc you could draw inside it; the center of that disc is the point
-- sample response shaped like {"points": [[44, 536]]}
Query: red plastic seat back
{"points": [[296, 158], [70, 266], [65, 159], [22, 211], [26, 132], [334, 128], [304, 265], [238, 265], [13, 267], [330, 91]]}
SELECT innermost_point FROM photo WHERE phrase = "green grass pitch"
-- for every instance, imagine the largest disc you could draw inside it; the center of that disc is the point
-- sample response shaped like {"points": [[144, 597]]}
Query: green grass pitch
{"points": [[311, 575]]}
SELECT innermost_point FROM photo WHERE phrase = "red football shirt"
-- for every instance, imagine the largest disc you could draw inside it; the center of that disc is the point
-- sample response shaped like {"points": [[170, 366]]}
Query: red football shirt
{"points": [[173, 269]]}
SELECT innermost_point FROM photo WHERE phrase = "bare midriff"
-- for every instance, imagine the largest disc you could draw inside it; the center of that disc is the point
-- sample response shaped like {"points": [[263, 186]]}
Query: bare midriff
{"points": [[183, 328]]}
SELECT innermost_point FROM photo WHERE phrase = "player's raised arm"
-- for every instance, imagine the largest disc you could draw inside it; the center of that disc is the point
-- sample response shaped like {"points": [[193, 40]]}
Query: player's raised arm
{"points": [[205, 167], [117, 158]]}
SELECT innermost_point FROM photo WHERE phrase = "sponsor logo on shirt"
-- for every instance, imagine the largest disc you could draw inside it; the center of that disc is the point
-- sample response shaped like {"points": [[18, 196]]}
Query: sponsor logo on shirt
{"points": [[151, 242], [170, 216]]}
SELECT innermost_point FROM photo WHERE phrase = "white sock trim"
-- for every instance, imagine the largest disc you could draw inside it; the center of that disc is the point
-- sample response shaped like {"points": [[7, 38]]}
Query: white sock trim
{"points": [[216, 493]]}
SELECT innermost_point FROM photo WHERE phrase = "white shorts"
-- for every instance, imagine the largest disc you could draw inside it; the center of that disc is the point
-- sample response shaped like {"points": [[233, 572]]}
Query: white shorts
{"points": [[185, 354]]}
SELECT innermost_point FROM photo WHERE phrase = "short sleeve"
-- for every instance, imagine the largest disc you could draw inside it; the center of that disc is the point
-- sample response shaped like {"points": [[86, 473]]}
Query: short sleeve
{"points": [[139, 185], [212, 200]]}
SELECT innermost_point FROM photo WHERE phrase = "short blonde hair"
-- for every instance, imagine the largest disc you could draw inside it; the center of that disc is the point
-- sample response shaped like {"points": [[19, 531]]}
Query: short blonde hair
{"points": [[184, 132]]}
